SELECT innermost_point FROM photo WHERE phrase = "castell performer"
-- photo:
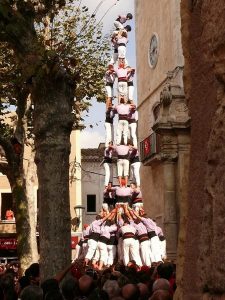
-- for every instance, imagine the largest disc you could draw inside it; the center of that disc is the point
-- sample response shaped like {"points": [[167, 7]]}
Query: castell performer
{"points": [[109, 129], [110, 76], [107, 162], [121, 20]]}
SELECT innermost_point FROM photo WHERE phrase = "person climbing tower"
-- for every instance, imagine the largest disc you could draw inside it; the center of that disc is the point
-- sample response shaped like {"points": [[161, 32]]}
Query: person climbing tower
{"points": [[121, 20]]}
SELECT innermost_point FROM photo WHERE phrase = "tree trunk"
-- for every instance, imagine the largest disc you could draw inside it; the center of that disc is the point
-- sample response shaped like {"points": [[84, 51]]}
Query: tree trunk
{"points": [[53, 96], [25, 224], [23, 202]]}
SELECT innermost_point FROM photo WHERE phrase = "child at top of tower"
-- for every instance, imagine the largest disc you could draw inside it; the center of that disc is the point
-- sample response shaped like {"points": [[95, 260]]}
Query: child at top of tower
{"points": [[122, 19]]}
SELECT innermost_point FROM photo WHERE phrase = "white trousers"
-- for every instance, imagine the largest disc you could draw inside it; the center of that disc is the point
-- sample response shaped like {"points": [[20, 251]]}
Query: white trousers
{"points": [[131, 92], [155, 247], [114, 58], [118, 25], [133, 134], [135, 172], [122, 167], [111, 254], [109, 133], [109, 91], [121, 51], [107, 167], [145, 253], [131, 251], [92, 245], [122, 128], [120, 249], [163, 249], [103, 252], [122, 88]]}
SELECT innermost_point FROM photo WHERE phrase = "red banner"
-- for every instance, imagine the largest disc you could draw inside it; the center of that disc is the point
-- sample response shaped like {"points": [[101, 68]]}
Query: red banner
{"points": [[8, 243], [147, 146], [11, 243]]}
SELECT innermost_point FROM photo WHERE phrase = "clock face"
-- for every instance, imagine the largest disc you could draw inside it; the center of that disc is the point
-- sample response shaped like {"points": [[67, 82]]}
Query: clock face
{"points": [[153, 51]]}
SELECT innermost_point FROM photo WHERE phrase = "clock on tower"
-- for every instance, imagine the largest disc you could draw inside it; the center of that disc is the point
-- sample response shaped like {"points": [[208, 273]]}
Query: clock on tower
{"points": [[153, 50]]}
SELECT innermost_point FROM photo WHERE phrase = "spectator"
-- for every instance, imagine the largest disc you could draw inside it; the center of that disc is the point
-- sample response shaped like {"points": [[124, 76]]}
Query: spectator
{"points": [[161, 284], [111, 287], [49, 285], [33, 292], [53, 295], [9, 215], [161, 295], [144, 292], [86, 285], [130, 292], [70, 288]]}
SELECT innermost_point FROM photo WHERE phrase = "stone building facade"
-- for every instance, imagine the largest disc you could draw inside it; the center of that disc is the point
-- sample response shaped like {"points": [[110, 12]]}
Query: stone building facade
{"points": [[164, 123], [93, 181], [183, 173], [203, 41]]}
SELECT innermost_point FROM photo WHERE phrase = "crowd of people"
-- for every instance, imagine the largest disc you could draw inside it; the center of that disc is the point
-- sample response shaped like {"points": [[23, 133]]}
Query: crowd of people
{"points": [[78, 282]]}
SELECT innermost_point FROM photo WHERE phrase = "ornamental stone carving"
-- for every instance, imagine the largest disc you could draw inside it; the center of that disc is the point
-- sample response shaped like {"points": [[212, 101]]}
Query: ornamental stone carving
{"points": [[166, 95], [173, 109]]}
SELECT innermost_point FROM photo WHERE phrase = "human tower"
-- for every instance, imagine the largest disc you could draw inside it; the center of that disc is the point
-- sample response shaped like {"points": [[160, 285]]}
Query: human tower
{"points": [[122, 231]]}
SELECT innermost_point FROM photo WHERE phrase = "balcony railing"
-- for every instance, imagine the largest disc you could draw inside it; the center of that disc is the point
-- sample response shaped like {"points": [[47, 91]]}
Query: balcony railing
{"points": [[150, 146]]}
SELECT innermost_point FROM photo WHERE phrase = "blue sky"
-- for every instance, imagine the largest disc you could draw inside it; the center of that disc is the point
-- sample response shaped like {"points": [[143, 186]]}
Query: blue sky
{"points": [[91, 137]]}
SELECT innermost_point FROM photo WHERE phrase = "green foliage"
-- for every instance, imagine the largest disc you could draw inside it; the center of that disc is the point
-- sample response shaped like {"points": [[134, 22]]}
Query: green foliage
{"points": [[82, 50], [68, 36]]}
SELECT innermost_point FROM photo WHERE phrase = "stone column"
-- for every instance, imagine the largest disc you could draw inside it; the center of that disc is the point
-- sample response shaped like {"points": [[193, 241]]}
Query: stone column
{"points": [[170, 213]]}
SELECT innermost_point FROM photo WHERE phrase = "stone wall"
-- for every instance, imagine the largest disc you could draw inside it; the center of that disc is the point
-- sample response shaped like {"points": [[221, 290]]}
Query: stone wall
{"points": [[162, 18], [203, 40]]}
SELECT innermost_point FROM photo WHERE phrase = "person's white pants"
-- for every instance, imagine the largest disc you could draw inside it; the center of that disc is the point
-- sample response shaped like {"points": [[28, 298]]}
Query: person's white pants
{"points": [[131, 92], [109, 133], [133, 134], [122, 167], [92, 245], [120, 249], [155, 247], [118, 25], [103, 252], [135, 172], [121, 51], [122, 128], [122, 88], [109, 91], [107, 167], [114, 58], [163, 249], [131, 251], [145, 253], [111, 254]]}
